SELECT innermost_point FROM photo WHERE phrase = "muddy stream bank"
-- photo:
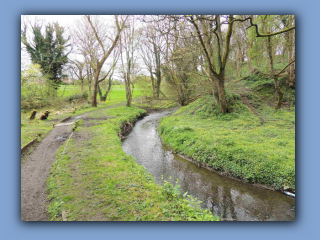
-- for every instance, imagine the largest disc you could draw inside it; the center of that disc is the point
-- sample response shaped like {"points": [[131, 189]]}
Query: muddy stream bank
{"points": [[230, 199]]}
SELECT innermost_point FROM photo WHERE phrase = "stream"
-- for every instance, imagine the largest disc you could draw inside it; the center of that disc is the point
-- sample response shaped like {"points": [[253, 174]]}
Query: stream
{"points": [[227, 198]]}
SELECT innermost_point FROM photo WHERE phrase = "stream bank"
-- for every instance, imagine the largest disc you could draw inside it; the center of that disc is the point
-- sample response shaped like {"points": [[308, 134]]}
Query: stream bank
{"points": [[93, 179], [230, 199]]}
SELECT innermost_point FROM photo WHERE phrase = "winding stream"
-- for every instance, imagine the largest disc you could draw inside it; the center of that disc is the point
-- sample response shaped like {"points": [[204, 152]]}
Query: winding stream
{"points": [[230, 199]]}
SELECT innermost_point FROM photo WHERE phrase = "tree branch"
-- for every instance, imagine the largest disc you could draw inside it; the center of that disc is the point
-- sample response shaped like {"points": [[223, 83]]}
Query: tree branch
{"points": [[285, 67], [203, 46], [96, 34], [270, 34]]}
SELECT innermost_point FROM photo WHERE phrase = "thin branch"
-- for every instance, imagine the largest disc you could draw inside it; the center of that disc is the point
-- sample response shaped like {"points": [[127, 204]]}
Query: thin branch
{"points": [[96, 34], [285, 67], [203, 46], [270, 34]]}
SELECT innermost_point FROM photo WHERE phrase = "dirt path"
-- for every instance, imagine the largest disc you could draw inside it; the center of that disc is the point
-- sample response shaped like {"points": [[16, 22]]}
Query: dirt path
{"points": [[36, 168], [34, 173], [245, 100]]}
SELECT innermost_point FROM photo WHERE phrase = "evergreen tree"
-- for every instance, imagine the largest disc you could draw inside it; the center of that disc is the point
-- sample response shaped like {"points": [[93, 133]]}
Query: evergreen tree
{"points": [[48, 50]]}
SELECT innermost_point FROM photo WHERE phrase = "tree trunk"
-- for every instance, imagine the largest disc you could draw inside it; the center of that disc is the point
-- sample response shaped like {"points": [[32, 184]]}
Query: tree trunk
{"points": [[276, 81], [215, 91], [82, 83], [291, 56], [103, 97], [95, 89], [239, 61], [33, 114], [157, 68], [152, 82], [100, 92], [128, 95], [157, 89], [249, 58], [222, 95], [108, 90], [89, 82], [279, 92]]}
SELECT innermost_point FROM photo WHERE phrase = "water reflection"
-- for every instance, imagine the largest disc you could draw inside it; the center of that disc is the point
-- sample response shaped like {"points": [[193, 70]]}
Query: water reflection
{"points": [[227, 198]]}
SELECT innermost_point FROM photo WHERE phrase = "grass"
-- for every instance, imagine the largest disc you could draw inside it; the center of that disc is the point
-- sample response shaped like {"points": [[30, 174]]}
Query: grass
{"points": [[117, 92], [154, 103], [236, 143], [39, 128], [94, 179], [36, 128], [68, 90]]}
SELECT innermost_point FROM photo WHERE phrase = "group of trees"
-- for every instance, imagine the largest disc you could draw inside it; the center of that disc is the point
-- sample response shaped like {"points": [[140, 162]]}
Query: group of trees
{"points": [[190, 54]]}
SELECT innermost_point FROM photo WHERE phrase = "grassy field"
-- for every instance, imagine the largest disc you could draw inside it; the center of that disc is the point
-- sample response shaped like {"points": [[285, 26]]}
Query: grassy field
{"points": [[37, 128], [117, 92], [257, 145], [94, 179]]}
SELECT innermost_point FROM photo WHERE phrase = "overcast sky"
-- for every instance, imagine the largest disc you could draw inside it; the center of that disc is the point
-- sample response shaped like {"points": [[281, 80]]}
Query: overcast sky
{"points": [[63, 20]]}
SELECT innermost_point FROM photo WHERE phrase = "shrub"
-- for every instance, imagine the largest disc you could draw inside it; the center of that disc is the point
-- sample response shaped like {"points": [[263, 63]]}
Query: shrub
{"points": [[78, 97]]}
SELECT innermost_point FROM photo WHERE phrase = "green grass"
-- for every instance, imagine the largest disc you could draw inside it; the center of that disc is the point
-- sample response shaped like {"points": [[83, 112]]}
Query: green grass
{"points": [[39, 128], [236, 143], [117, 92], [35, 128], [94, 179], [68, 90], [154, 103]]}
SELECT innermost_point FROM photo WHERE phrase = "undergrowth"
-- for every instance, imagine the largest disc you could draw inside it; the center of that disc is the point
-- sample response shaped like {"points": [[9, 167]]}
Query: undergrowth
{"points": [[154, 103], [263, 85]]}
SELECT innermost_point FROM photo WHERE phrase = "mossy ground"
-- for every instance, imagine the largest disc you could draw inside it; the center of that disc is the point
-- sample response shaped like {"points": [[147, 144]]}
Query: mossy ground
{"points": [[92, 178]]}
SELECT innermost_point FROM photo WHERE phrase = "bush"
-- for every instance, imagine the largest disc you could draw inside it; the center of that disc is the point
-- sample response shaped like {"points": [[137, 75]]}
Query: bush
{"points": [[37, 90], [78, 97]]}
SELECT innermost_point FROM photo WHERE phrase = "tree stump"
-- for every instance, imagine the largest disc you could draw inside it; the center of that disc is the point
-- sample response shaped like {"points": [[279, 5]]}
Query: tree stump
{"points": [[45, 115], [33, 115]]}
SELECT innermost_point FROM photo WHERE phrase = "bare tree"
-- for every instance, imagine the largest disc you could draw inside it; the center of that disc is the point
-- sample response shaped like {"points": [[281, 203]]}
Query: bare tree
{"points": [[205, 26], [152, 51], [96, 42], [180, 56], [128, 55], [79, 69], [108, 75]]}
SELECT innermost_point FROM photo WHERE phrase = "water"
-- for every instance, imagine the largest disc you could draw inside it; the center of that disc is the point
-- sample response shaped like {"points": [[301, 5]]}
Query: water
{"points": [[230, 199]]}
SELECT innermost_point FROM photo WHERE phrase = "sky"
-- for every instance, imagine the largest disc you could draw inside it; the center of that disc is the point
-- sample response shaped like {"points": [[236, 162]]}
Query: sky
{"points": [[66, 21], [63, 20]]}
